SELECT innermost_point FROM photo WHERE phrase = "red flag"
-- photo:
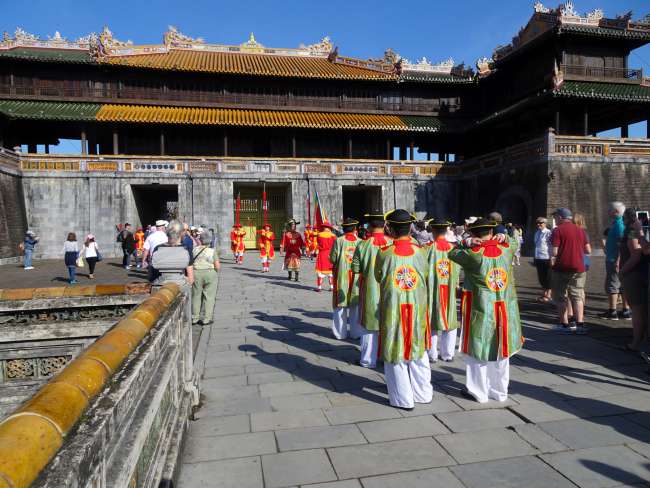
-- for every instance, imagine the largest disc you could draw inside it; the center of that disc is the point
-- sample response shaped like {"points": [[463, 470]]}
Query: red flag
{"points": [[265, 205], [319, 212], [237, 208]]}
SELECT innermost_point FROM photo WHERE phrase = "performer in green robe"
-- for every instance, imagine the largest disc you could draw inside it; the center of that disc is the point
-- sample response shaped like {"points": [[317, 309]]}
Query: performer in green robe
{"points": [[405, 336], [444, 277], [363, 264], [345, 295], [493, 333]]}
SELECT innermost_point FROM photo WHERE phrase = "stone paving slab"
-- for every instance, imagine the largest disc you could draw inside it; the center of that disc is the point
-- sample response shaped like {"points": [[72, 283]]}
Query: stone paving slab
{"points": [[601, 467], [297, 468], [388, 457], [285, 405], [317, 437], [427, 478], [478, 420], [233, 473], [529, 472], [404, 428], [485, 445], [199, 449], [287, 419], [604, 431]]}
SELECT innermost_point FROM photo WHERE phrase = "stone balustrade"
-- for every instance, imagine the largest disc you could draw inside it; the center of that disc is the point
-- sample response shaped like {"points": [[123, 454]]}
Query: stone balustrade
{"points": [[175, 165], [610, 147], [115, 415]]}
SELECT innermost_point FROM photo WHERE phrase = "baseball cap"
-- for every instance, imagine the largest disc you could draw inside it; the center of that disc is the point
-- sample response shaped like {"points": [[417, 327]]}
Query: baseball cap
{"points": [[563, 213], [470, 220]]}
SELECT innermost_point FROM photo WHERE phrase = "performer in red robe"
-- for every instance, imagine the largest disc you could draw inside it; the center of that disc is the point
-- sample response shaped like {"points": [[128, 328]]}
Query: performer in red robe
{"points": [[267, 253], [325, 239], [292, 246], [310, 237], [237, 245]]}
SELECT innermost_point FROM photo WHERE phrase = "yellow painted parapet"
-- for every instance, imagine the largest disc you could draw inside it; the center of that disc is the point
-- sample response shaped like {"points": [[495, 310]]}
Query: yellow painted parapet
{"points": [[73, 291], [32, 435]]}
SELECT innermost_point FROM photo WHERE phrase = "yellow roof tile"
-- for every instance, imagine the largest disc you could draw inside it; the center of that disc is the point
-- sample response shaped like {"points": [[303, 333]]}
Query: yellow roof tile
{"points": [[249, 118], [248, 64]]}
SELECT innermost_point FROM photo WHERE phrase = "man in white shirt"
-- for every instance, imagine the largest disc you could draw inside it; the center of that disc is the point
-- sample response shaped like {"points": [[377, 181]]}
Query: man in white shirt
{"points": [[155, 239], [543, 258]]}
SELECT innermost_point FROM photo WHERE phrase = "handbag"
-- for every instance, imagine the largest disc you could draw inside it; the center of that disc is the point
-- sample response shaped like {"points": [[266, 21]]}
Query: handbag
{"points": [[99, 255], [80, 262]]}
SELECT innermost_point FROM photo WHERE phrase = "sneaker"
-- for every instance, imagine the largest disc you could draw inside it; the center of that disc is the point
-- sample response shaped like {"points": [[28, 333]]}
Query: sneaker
{"points": [[625, 314], [29, 267], [609, 315], [564, 328], [74, 282], [581, 329], [572, 321]]}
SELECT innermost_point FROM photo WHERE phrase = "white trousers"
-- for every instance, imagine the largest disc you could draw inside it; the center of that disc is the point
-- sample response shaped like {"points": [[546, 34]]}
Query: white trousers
{"points": [[409, 382], [487, 380], [369, 346], [344, 316], [446, 340]]}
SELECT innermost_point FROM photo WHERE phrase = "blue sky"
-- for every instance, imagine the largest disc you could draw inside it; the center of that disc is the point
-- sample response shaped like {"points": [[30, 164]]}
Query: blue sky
{"points": [[437, 29]]}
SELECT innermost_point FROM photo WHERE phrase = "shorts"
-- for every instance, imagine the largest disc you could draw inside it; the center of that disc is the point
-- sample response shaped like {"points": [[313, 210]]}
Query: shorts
{"points": [[612, 281], [635, 288], [565, 283]]}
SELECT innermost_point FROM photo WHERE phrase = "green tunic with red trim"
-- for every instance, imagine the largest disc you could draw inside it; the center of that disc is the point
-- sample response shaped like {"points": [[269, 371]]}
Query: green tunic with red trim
{"points": [[346, 283], [492, 326], [401, 271], [443, 281], [363, 264]]}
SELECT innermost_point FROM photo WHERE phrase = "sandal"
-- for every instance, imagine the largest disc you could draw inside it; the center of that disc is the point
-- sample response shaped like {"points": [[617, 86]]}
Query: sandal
{"points": [[543, 299]]}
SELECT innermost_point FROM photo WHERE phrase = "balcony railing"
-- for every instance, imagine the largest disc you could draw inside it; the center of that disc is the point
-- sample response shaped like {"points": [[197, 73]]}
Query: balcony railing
{"points": [[112, 94], [600, 73]]}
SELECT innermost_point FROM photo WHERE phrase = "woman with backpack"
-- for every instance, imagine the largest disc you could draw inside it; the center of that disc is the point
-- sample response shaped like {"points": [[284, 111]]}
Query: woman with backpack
{"points": [[70, 256]]}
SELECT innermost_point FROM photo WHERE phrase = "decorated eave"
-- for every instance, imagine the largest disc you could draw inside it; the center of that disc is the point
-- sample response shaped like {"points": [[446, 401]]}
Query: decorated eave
{"points": [[180, 52], [566, 19]]}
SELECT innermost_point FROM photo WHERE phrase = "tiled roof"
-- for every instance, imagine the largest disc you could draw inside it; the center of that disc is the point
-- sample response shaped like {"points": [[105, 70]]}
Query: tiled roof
{"points": [[421, 76], [264, 118], [248, 64], [48, 54], [604, 91], [48, 110], [593, 30]]}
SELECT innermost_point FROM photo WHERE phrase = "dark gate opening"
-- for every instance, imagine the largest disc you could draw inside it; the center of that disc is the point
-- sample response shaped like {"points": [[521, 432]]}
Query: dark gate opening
{"points": [[155, 202], [360, 200]]}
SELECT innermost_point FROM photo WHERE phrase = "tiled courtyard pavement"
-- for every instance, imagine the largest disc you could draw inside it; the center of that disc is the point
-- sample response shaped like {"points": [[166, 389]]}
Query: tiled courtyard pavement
{"points": [[284, 405]]}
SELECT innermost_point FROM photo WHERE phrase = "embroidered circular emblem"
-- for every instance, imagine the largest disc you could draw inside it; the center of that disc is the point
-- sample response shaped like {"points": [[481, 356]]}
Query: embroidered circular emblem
{"points": [[496, 279], [349, 253], [406, 278], [442, 268]]}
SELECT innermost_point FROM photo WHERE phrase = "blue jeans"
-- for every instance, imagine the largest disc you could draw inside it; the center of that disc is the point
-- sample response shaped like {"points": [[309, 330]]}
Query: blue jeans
{"points": [[72, 271], [27, 259]]}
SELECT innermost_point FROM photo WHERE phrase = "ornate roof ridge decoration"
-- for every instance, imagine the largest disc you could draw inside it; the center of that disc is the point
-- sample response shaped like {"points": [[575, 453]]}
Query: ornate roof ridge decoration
{"points": [[21, 38], [424, 65], [175, 38], [484, 66], [545, 19]]}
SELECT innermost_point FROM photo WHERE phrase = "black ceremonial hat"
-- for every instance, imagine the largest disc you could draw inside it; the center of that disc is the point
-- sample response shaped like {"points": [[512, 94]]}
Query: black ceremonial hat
{"points": [[349, 222], [439, 223], [482, 223], [399, 216]]}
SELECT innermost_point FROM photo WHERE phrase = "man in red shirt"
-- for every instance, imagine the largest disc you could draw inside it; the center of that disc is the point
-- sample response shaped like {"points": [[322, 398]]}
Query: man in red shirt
{"points": [[570, 244]]}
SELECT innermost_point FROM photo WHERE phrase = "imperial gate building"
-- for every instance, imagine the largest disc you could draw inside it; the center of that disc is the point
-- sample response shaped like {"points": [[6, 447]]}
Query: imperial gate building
{"points": [[182, 128]]}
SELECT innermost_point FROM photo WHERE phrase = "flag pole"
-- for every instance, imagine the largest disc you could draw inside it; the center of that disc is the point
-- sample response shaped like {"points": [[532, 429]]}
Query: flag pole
{"points": [[265, 205]]}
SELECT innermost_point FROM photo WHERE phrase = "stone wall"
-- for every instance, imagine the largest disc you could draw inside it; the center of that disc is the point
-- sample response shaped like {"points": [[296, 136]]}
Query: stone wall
{"points": [[13, 222], [587, 185], [82, 203]]}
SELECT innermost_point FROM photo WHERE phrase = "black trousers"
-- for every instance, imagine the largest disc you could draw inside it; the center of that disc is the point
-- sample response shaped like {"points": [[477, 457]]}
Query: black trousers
{"points": [[126, 258], [544, 272], [91, 265]]}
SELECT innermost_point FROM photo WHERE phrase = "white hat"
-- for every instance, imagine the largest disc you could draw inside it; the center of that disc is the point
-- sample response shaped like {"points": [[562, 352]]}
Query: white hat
{"points": [[30, 233], [470, 220], [161, 223]]}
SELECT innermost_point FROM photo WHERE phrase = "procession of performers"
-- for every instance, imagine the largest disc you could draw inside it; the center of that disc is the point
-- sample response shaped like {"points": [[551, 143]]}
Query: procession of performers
{"points": [[399, 297]]}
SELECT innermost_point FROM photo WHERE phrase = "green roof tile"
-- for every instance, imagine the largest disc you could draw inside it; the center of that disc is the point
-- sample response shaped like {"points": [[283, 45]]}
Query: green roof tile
{"points": [[604, 91], [421, 123], [14, 109], [592, 30], [49, 54], [434, 78]]}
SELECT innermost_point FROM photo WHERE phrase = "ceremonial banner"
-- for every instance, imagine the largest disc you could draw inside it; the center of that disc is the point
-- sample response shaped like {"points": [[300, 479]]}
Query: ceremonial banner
{"points": [[319, 212]]}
